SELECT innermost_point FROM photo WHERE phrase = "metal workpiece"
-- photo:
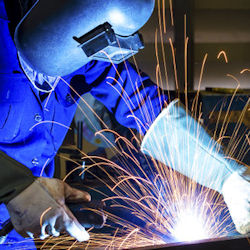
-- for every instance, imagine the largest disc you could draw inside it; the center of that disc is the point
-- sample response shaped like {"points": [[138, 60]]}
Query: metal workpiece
{"points": [[237, 242]]}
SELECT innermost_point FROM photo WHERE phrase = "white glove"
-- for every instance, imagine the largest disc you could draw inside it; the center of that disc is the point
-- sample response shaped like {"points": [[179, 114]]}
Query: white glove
{"points": [[179, 141], [236, 193], [40, 210]]}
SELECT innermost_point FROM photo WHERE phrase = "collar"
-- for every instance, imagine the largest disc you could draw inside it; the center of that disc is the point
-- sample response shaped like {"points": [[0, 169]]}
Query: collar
{"points": [[40, 81]]}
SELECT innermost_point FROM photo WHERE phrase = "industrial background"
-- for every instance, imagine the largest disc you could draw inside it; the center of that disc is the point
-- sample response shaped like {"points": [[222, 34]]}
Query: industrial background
{"points": [[212, 26]]}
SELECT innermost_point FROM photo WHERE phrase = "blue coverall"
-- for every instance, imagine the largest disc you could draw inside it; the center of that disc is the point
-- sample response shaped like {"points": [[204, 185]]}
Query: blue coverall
{"points": [[22, 106]]}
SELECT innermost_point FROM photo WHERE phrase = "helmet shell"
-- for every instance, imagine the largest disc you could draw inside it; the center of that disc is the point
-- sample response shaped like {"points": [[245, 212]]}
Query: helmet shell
{"points": [[44, 37]]}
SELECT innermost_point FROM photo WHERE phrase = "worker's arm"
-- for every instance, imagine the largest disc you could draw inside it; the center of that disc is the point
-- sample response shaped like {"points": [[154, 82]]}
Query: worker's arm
{"points": [[133, 98], [14, 178], [179, 141]]}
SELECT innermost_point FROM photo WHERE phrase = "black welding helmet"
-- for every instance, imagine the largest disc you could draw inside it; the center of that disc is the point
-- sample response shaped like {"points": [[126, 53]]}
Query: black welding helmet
{"points": [[57, 37]]}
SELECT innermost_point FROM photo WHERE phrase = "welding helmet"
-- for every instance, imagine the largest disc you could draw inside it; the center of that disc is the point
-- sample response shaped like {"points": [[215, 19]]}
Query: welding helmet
{"points": [[57, 37]]}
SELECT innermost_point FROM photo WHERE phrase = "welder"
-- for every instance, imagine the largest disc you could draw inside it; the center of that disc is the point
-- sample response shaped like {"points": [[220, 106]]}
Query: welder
{"points": [[42, 40]]}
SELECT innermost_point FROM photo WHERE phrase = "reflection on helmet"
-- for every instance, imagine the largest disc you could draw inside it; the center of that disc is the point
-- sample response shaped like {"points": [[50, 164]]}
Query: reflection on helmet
{"points": [[44, 38]]}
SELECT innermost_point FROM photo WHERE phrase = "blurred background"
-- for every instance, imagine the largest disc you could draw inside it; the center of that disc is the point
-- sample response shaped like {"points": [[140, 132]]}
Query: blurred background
{"points": [[212, 26]]}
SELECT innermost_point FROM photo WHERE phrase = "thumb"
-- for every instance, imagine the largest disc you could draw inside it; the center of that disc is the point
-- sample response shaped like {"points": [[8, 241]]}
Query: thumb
{"points": [[75, 195]]}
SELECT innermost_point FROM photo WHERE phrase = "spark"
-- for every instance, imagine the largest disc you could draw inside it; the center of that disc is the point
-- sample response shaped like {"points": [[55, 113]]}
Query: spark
{"points": [[224, 54], [171, 12], [164, 16], [128, 236], [44, 165], [186, 68], [52, 122], [233, 77], [174, 65], [200, 81], [244, 70], [43, 214], [162, 43]]}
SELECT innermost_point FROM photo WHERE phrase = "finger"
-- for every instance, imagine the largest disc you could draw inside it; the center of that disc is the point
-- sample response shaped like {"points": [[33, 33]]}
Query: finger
{"points": [[74, 229], [43, 237], [75, 195], [43, 234], [54, 232], [51, 228]]}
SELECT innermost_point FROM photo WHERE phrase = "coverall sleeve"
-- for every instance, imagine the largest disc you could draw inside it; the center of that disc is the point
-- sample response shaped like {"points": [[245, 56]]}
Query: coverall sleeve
{"points": [[14, 177], [131, 96]]}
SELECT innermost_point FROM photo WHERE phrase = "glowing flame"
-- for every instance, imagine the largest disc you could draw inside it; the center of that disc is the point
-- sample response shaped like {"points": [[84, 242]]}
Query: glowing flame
{"points": [[190, 227]]}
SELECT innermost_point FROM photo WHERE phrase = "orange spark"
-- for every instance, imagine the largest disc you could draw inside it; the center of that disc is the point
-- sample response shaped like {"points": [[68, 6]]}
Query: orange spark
{"points": [[53, 122], [43, 214], [44, 165], [171, 12], [224, 54], [244, 70]]}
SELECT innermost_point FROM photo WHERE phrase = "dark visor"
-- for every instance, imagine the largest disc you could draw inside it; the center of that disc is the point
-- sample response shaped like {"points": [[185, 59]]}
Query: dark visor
{"points": [[103, 44]]}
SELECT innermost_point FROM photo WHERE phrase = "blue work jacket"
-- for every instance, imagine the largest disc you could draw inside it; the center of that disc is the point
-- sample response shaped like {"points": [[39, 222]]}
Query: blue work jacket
{"points": [[33, 124]]}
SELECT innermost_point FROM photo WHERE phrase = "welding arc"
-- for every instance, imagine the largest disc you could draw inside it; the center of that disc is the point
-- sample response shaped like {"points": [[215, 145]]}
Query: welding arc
{"points": [[126, 215]]}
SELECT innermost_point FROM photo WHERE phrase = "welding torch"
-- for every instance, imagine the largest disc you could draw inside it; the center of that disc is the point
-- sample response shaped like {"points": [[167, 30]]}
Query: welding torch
{"points": [[88, 214]]}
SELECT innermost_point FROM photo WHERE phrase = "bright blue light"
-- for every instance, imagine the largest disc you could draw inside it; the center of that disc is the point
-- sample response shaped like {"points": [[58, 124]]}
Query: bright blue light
{"points": [[189, 227]]}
